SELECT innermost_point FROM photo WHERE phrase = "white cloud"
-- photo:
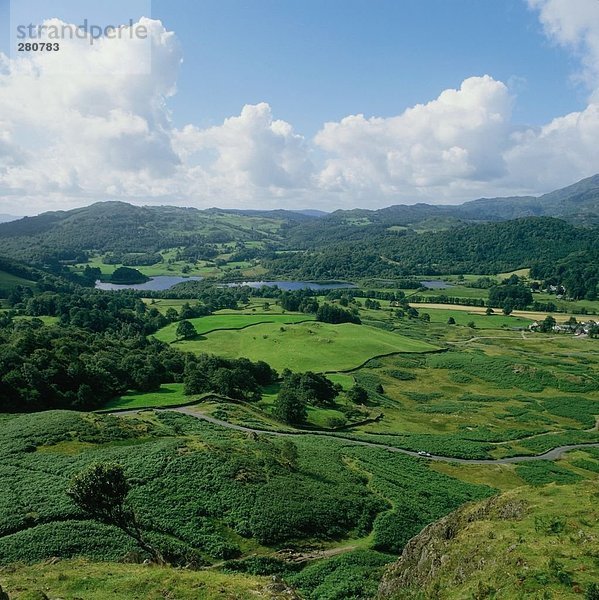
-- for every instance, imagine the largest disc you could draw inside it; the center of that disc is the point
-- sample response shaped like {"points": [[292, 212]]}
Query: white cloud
{"points": [[574, 24], [460, 135], [92, 123], [88, 119], [252, 149]]}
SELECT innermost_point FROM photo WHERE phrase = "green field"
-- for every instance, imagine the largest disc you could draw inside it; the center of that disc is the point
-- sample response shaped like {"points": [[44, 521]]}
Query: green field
{"points": [[496, 395], [208, 494], [312, 346], [210, 323], [481, 321], [9, 281], [169, 394], [80, 578]]}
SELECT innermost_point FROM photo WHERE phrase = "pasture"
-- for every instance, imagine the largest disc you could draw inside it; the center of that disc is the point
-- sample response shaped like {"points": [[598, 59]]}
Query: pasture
{"points": [[9, 281], [312, 346], [506, 395], [169, 394], [473, 315], [204, 325]]}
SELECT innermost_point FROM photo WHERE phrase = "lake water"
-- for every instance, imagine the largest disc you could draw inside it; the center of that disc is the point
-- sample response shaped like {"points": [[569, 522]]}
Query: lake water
{"points": [[162, 282], [294, 285], [436, 284]]}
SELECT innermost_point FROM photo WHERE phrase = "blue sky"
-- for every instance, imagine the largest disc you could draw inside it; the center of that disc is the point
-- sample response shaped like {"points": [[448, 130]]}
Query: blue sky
{"points": [[300, 103], [319, 60]]}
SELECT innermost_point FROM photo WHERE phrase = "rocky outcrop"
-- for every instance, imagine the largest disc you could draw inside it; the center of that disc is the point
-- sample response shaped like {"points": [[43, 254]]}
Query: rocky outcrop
{"points": [[427, 553]]}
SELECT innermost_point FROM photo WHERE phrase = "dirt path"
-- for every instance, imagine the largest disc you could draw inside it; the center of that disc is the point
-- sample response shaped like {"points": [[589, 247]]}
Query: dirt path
{"points": [[553, 454]]}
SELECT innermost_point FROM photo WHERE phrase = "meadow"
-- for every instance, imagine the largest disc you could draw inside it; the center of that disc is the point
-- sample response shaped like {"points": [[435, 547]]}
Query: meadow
{"points": [[473, 315], [492, 389], [8, 281], [313, 346], [204, 325], [169, 394]]}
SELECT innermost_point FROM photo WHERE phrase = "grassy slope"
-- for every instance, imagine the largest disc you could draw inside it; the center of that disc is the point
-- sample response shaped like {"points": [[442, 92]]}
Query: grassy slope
{"points": [[169, 394], [9, 281], [493, 389], [79, 578], [207, 488], [204, 325], [306, 346], [528, 543]]}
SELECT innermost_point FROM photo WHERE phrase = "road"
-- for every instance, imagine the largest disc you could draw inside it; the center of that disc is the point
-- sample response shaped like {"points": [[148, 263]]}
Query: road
{"points": [[554, 454]]}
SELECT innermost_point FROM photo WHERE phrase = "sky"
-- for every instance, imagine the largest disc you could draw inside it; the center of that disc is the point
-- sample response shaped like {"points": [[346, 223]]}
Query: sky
{"points": [[320, 104]]}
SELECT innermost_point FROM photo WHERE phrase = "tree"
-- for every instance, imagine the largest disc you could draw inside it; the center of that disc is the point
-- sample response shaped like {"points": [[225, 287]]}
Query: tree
{"points": [[290, 407], [489, 311], [451, 321], [128, 276], [357, 394], [507, 307], [186, 330], [101, 491], [547, 324]]}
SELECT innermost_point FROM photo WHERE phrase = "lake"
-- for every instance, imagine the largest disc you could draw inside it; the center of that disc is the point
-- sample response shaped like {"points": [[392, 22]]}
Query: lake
{"points": [[295, 285], [436, 284], [162, 282]]}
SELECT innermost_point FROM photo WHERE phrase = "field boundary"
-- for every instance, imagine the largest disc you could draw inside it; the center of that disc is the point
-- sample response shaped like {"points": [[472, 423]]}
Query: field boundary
{"points": [[244, 327], [385, 355]]}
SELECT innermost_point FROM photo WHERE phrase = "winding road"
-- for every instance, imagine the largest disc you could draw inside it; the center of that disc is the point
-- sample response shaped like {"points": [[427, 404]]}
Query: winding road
{"points": [[554, 454]]}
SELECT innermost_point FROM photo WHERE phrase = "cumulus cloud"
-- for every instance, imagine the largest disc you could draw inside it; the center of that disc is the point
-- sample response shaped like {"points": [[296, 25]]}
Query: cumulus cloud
{"points": [[252, 149], [460, 135], [92, 123], [573, 24], [89, 120]]}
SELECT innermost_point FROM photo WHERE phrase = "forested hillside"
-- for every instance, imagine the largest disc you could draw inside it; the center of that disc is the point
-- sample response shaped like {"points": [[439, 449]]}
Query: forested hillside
{"points": [[490, 248]]}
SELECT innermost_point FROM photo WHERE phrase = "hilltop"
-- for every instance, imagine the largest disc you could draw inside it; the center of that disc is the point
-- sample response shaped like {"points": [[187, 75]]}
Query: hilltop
{"points": [[530, 542]]}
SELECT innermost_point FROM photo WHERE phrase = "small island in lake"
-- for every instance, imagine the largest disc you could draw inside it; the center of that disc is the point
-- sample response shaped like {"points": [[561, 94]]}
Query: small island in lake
{"points": [[128, 276]]}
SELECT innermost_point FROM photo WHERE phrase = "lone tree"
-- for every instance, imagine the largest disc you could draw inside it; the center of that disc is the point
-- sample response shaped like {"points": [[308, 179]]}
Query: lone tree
{"points": [[291, 406], [101, 491], [186, 330], [357, 394]]}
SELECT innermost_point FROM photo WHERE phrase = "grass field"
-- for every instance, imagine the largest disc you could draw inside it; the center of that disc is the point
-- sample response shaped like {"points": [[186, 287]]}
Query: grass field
{"points": [[44, 320], [312, 346], [80, 578], [9, 281], [526, 315], [204, 325], [506, 395], [169, 394], [476, 316]]}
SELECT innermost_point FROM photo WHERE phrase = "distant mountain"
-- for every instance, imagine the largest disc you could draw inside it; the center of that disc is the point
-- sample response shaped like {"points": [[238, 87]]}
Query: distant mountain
{"points": [[121, 227], [8, 218], [578, 201], [312, 213]]}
